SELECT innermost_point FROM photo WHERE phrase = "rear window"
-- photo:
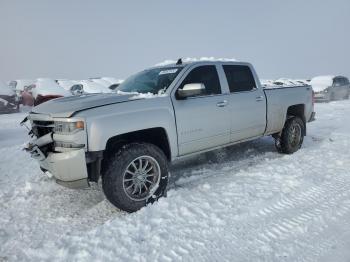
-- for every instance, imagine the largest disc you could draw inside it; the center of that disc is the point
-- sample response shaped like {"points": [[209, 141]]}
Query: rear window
{"points": [[239, 78]]}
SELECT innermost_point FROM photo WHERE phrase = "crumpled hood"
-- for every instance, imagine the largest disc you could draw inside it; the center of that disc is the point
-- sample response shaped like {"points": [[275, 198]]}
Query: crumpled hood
{"points": [[67, 106]]}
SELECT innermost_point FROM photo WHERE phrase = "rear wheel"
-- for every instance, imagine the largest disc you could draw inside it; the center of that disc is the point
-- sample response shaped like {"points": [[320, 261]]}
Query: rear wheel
{"points": [[292, 136], [135, 176]]}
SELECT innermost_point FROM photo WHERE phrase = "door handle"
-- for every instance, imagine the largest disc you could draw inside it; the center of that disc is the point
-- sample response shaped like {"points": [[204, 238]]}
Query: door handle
{"points": [[222, 103], [259, 98]]}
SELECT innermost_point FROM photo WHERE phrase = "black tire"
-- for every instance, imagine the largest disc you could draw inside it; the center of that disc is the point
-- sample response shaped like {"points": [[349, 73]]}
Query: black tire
{"points": [[285, 143], [113, 182]]}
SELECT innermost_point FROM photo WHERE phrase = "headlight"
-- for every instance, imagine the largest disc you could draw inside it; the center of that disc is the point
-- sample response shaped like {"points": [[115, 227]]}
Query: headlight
{"points": [[68, 127]]}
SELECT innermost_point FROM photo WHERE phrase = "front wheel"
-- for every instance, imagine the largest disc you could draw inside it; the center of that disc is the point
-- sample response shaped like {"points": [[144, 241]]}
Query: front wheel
{"points": [[292, 136], [135, 176]]}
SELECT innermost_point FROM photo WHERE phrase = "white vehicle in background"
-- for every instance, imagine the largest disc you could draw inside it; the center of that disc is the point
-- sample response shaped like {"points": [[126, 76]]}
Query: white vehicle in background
{"points": [[302, 81], [110, 82], [19, 86], [72, 86], [114, 82], [92, 87], [285, 82], [100, 81], [329, 88], [46, 89], [267, 83]]}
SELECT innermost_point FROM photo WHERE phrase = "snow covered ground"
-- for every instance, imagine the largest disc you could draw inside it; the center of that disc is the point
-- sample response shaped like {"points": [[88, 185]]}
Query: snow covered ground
{"points": [[253, 205]]}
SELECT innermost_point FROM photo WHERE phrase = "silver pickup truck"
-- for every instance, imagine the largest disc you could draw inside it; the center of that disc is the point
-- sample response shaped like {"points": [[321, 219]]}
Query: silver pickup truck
{"points": [[157, 116]]}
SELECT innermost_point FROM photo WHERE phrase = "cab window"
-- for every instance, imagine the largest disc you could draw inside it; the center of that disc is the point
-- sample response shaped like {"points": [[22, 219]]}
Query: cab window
{"points": [[239, 78]]}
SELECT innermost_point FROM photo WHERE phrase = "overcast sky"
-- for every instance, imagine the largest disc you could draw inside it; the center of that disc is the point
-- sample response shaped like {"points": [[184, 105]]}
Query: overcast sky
{"points": [[80, 39]]}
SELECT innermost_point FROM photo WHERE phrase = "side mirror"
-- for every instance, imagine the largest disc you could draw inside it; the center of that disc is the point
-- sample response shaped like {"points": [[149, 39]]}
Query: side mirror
{"points": [[188, 90]]}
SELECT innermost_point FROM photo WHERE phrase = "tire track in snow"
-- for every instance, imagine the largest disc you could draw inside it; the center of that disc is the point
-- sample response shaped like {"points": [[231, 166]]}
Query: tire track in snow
{"points": [[282, 227]]}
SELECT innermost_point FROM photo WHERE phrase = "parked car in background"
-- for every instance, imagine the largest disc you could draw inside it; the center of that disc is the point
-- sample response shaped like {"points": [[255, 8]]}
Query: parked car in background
{"points": [[8, 101], [93, 87], [285, 82], [114, 82], [110, 82], [267, 82], [72, 86], [329, 88], [46, 89], [20, 86], [100, 81], [302, 81]]}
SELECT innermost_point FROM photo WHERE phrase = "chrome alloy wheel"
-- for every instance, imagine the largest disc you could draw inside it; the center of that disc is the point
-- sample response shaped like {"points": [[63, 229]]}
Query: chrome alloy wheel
{"points": [[141, 178], [295, 135]]}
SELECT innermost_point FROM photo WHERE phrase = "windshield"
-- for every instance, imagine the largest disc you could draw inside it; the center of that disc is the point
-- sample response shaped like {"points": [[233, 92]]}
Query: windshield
{"points": [[154, 81]]}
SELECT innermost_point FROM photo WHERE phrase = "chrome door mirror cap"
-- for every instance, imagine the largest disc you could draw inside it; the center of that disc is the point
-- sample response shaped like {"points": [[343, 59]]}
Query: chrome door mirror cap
{"points": [[193, 89]]}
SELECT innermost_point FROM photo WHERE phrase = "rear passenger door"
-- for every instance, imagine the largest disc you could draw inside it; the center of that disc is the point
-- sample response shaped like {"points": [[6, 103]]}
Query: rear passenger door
{"points": [[247, 103]]}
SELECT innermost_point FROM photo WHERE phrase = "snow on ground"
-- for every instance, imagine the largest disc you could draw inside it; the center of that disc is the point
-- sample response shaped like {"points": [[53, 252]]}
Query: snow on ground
{"points": [[253, 205]]}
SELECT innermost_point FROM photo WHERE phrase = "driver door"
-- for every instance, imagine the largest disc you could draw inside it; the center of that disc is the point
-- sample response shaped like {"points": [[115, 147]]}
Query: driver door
{"points": [[202, 120]]}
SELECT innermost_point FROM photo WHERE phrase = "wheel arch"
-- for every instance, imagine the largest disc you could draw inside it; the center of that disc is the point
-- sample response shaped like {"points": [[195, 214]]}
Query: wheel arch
{"points": [[156, 136]]}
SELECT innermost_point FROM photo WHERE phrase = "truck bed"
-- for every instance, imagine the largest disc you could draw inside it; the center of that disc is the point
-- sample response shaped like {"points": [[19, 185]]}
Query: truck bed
{"points": [[279, 99]]}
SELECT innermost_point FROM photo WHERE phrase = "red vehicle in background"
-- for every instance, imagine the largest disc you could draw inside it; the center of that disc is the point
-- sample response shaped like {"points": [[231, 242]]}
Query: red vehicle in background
{"points": [[44, 90]]}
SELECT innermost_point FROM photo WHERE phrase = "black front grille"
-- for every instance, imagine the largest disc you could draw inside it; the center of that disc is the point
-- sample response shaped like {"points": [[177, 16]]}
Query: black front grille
{"points": [[41, 128]]}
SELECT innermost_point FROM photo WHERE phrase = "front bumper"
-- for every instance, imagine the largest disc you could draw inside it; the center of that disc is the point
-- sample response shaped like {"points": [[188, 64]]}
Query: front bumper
{"points": [[67, 165], [69, 168]]}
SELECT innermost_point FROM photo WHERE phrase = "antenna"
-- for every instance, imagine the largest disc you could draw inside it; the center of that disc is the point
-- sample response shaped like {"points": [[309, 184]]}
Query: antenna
{"points": [[179, 61]]}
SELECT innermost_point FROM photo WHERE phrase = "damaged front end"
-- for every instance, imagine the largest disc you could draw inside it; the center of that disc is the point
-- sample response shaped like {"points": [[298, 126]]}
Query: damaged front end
{"points": [[59, 147]]}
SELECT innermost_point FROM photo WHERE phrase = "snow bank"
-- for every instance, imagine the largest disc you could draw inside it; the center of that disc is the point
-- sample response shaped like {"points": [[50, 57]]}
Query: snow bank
{"points": [[46, 87], [5, 90], [191, 59], [320, 83]]}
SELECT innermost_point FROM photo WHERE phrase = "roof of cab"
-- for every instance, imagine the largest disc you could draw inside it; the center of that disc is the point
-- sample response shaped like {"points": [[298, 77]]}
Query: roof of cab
{"points": [[191, 61]]}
